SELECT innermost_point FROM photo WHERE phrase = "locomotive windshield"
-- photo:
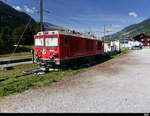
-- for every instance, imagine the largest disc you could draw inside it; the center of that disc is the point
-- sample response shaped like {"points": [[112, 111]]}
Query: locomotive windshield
{"points": [[39, 42], [51, 42]]}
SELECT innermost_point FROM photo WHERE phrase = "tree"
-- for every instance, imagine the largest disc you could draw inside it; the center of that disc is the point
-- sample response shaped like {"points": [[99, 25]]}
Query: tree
{"points": [[27, 37], [6, 43]]}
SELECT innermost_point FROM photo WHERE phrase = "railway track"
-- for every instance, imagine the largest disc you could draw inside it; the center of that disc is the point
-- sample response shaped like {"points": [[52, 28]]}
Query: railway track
{"points": [[8, 63], [29, 72], [17, 60], [39, 71], [24, 73]]}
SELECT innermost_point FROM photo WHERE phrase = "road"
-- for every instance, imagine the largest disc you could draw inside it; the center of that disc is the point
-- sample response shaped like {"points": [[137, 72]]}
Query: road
{"points": [[121, 85]]}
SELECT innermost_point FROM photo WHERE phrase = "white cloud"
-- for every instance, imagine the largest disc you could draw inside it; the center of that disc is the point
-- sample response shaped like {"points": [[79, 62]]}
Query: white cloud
{"points": [[17, 8], [102, 18], [30, 10], [116, 26], [133, 14], [26, 9]]}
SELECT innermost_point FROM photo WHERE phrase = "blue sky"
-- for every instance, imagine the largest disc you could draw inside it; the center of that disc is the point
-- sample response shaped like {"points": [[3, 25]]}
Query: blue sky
{"points": [[88, 15]]}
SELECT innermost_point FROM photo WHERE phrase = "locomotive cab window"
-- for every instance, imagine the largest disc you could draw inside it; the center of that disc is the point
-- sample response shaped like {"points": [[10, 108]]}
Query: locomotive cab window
{"points": [[51, 42], [39, 42], [99, 46], [66, 42]]}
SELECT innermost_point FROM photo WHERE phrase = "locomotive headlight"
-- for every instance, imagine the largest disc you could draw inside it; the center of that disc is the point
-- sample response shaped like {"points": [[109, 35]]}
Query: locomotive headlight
{"points": [[36, 53], [43, 51], [54, 54], [51, 50]]}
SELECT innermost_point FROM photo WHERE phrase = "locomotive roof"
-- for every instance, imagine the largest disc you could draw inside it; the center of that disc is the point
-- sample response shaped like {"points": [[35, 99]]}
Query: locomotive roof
{"points": [[72, 33]]}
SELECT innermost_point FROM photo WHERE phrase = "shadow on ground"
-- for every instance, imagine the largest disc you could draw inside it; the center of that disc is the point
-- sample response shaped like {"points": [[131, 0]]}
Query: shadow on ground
{"points": [[98, 60]]}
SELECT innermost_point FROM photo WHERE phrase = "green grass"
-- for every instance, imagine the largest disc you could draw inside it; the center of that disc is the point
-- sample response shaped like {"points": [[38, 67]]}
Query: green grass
{"points": [[21, 52], [17, 85], [101, 59], [123, 52]]}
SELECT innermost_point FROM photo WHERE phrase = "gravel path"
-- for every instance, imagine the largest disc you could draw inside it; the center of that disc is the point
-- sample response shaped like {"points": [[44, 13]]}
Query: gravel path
{"points": [[120, 85]]}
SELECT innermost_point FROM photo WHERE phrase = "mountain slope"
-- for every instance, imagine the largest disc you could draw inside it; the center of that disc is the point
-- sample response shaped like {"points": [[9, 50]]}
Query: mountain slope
{"points": [[9, 17], [131, 31], [49, 26], [12, 25]]}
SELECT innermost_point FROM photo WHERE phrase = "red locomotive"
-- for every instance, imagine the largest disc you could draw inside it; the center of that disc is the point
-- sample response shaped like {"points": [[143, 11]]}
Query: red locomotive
{"points": [[59, 48]]}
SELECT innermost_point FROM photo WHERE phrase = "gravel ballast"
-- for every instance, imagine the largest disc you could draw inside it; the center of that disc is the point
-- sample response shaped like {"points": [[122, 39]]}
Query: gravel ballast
{"points": [[121, 85]]}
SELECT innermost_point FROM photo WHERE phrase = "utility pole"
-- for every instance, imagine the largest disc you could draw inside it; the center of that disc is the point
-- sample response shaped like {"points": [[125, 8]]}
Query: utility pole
{"points": [[0, 23], [104, 32], [41, 15]]}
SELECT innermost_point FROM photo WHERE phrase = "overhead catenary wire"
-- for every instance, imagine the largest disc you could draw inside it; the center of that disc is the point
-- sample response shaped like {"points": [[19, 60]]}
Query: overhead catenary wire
{"points": [[48, 13], [21, 37], [73, 23]]}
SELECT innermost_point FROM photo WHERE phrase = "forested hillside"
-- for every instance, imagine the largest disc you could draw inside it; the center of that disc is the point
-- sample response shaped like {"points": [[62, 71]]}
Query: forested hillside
{"points": [[12, 25], [131, 31]]}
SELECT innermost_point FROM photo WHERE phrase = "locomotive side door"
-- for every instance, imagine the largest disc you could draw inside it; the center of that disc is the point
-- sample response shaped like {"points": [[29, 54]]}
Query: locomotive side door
{"points": [[65, 48]]}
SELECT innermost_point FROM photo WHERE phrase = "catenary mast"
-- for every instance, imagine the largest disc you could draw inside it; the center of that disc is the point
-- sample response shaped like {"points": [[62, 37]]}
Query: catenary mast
{"points": [[41, 16]]}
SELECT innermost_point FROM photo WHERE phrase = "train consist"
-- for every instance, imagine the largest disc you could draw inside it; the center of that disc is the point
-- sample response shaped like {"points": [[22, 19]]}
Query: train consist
{"points": [[55, 49]]}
